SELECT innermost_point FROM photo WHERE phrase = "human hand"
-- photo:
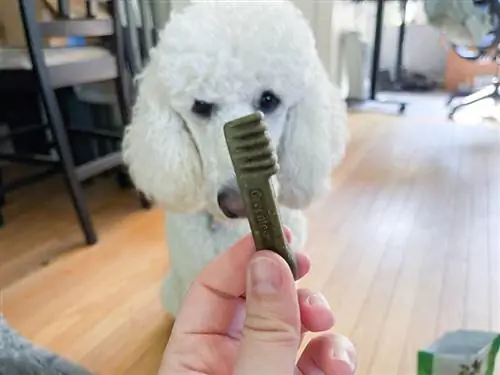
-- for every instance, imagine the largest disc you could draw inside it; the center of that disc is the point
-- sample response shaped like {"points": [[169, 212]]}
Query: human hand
{"points": [[244, 316]]}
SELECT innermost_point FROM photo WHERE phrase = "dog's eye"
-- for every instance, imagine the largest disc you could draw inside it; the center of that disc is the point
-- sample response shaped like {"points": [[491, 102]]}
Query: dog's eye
{"points": [[202, 109], [268, 102]]}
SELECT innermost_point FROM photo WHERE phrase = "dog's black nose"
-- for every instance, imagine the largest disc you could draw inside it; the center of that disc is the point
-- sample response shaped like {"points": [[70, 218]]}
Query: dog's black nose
{"points": [[231, 203]]}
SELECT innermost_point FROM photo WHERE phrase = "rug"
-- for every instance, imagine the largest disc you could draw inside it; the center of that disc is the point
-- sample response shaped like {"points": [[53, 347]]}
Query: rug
{"points": [[18, 356]]}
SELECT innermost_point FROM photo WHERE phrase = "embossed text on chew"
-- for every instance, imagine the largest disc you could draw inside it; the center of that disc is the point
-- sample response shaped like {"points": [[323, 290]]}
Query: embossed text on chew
{"points": [[261, 218]]}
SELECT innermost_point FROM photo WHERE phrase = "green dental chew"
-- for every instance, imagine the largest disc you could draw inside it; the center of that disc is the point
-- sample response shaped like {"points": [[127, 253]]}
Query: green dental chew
{"points": [[254, 162]]}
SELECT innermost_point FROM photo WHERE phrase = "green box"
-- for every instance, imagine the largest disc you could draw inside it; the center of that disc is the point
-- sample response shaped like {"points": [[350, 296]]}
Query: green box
{"points": [[462, 352]]}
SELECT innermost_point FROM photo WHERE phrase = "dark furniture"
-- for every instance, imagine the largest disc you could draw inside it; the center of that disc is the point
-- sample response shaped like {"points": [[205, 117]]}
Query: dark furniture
{"points": [[491, 91], [403, 7], [489, 48], [118, 51], [376, 51]]}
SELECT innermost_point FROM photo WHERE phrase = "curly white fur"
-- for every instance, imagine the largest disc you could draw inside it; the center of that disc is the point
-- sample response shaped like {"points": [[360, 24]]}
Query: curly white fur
{"points": [[228, 53]]}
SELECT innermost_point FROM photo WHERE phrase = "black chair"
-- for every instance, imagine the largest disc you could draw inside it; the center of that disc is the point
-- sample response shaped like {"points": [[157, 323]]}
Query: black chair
{"points": [[140, 30], [47, 71]]}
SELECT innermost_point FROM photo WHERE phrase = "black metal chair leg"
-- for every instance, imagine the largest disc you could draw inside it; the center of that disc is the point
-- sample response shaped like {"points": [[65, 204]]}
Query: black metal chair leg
{"points": [[2, 195], [2, 200], [81, 208], [145, 202], [55, 119], [69, 171], [68, 166]]}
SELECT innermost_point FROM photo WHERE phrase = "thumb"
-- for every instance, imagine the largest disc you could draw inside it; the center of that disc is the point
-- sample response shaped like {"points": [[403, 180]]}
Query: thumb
{"points": [[271, 332]]}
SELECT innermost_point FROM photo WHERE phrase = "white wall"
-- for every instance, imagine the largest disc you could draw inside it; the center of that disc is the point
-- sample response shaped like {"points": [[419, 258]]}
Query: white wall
{"points": [[318, 13], [423, 51], [178, 4]]}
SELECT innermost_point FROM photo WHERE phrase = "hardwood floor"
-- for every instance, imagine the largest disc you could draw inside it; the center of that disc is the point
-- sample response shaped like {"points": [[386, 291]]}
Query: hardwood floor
{"points": [[406, 247]]}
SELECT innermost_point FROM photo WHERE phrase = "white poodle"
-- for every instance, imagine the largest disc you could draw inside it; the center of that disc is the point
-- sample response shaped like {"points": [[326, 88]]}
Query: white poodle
{"points": [[217, 61]]}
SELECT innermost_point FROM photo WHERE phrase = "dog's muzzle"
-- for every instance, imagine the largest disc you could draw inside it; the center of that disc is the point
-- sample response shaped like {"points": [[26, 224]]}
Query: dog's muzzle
{"points": [[231, 203]]}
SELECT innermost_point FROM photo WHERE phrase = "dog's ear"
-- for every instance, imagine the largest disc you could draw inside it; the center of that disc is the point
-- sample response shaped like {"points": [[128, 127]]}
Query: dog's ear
{"points": [[313, 142], [162, 159]]}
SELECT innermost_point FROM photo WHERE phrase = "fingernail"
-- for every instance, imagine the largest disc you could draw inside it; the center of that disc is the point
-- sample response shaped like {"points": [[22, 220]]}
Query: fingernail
{"points": [[302, 254], [343, 356], [265, 276], [317, 299]]}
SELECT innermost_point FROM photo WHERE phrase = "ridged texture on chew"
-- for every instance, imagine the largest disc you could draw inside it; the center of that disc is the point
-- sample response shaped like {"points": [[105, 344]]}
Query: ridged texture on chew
{"points": [[250, 146], [254, 162]]}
